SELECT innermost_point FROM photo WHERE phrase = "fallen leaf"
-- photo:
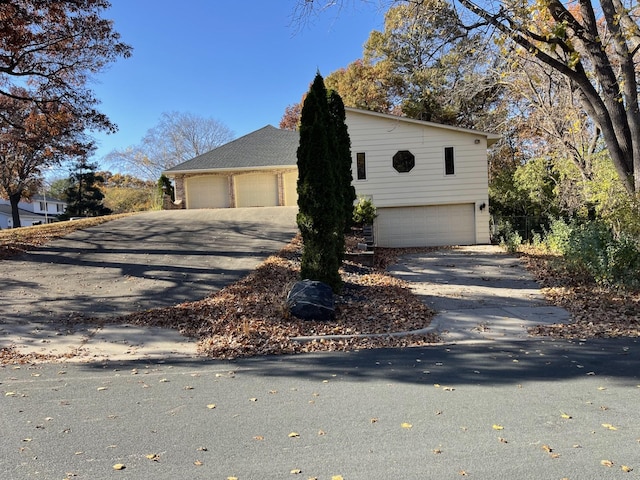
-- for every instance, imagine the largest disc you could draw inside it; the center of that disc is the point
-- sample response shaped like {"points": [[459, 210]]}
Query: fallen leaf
{"points": [[119, 466], [294, 435], [437, 385], [100, 389], [374, 420], [463, 473], [337, 477], [502, 440], [10, 394], [258, 437], [554, 455], [253, 399], [602, 388], [188, 387], [606, 463], [406, 425], [153, 456], [232, 478], [198, 463], [436, 451], [295, 471], [624, 468], [497, 427], [567, 416], [609, 426], [211, 406], [448, 389], [322, 433], [547, 448], [202, 449]]}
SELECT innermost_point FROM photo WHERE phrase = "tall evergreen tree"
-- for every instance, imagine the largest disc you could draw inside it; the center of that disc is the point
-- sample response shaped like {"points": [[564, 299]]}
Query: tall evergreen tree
{"points": [[83, 194], [342, 159], [320, 216]]}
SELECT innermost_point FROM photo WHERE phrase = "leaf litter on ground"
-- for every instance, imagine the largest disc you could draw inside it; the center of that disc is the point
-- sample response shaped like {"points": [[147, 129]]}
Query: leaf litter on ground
{"points": [[250, 317]]}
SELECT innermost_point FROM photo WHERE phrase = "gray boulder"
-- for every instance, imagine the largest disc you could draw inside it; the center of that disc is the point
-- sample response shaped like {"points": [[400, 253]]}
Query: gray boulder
{"points": [[311, 300]]}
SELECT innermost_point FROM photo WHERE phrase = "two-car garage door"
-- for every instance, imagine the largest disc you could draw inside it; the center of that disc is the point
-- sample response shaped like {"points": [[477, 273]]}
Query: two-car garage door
{"points": [[426, 226]]}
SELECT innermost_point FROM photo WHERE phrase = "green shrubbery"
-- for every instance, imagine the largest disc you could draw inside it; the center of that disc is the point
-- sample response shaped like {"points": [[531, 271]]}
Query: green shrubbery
{"points": [[592, 248], [364, 212], [510, 239]]}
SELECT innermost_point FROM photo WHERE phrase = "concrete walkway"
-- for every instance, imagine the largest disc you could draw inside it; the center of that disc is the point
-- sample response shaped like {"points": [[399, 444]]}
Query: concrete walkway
{"points": [[480, 294]]}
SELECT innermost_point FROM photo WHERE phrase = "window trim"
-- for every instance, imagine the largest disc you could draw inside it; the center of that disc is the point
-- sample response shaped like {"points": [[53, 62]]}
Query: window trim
{"points": [[404, 154], [361, 156], [449, 161]]}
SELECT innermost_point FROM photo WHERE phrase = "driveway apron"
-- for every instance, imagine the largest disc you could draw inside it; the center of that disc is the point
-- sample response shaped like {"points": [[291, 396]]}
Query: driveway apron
{"points": [[480, 293]]}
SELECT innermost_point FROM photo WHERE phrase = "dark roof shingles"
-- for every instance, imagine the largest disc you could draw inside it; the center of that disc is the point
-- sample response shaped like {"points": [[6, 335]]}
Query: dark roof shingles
{"points": [[266, 147]]}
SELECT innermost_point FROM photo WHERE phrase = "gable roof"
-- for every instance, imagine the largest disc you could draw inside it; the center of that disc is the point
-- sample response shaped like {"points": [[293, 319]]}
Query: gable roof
{"points": [[491, 137], [271, 147], [267, 147]]}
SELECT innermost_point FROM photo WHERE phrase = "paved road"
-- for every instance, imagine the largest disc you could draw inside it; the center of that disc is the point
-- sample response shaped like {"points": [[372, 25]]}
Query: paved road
{"points": [[77, 421]]}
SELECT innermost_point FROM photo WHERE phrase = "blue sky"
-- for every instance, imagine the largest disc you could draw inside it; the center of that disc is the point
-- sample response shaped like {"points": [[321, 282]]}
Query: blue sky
{"points": [[240, 62]]}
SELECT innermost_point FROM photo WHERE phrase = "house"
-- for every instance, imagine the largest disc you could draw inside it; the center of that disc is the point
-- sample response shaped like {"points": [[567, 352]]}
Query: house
{"points": [[428, 181], [38, 210]]}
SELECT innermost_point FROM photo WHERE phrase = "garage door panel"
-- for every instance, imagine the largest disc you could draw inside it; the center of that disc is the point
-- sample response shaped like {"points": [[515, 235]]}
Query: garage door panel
{"points": [[256, 190], [290, 189], [426, 226], [207, 191]]}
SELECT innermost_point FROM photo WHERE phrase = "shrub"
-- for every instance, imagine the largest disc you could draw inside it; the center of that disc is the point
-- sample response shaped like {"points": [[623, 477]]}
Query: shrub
{"points": [[364, 212], [510, 239], [557, 238], [623, 257]]}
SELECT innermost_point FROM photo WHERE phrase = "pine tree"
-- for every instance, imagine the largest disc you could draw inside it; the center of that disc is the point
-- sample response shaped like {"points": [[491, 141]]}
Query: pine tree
{"points": [[342, 158], [83, 195], [320, 217]]}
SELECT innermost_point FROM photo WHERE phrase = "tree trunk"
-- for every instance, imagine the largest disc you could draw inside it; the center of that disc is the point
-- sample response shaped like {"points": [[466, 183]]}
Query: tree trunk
{"points": [[14, 199]]}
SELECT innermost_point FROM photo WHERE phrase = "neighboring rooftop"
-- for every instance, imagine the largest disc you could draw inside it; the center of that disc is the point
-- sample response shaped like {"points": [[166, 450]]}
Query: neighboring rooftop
{"points": [[266, 147]]}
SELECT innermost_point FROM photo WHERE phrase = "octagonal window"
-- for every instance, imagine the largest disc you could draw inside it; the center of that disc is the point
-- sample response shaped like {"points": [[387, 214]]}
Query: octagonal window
{"points": [[404, 161]]}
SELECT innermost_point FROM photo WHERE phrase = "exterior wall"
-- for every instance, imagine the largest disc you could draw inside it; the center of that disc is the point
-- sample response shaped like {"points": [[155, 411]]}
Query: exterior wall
{"points": [[426, 184], [283, 182]]}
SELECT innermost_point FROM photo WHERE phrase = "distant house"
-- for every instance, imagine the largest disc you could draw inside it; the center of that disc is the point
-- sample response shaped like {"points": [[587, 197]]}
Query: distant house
{"points": [[428, 181], [38, 210]]}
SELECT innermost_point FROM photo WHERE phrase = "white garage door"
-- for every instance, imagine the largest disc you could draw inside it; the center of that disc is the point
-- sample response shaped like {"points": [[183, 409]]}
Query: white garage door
{"points": [[207, 191], [257, 190], [425, 226], [290, 189]]}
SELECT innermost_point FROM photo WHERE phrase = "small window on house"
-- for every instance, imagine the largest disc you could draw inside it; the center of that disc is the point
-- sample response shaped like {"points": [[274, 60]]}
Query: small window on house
{"points": [[43, 206], [361, 166], [449, 164], [404, 161], [59, 207]]}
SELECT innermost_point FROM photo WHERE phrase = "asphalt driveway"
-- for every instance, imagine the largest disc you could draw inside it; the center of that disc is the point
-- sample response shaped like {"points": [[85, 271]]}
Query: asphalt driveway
{"points": [[149, 260]]}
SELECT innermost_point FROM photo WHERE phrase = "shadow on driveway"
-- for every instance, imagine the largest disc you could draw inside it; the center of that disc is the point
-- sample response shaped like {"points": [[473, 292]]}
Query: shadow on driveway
{"points": [[150, 260]]}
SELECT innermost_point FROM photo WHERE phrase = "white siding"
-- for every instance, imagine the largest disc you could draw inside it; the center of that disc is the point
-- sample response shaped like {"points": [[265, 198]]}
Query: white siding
{"points": [[425, 226], [380, 138], [256, 190], [207, 191]]}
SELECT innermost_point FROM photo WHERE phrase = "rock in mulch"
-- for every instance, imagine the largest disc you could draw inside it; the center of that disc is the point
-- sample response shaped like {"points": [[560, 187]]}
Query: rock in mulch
{"points": [[311, 300]]}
